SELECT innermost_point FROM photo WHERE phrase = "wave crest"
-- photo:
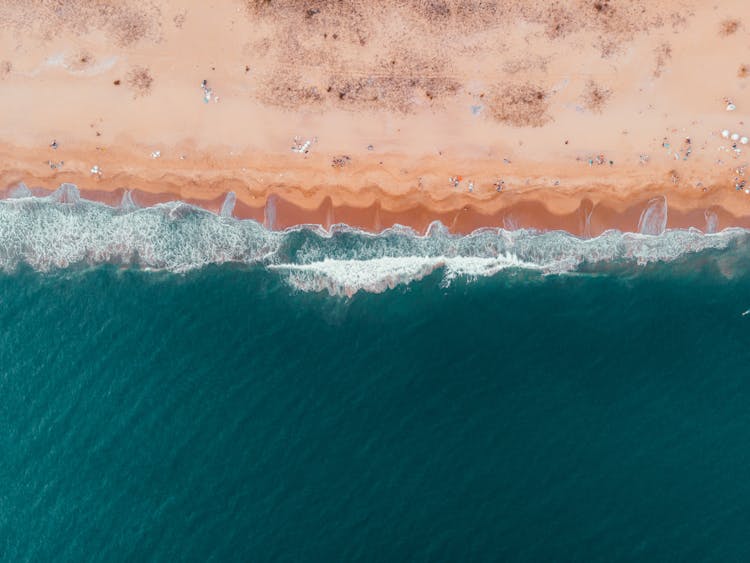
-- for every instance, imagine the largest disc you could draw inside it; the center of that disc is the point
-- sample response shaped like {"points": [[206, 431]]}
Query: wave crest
{"points": [[63, 229], [346, 277]]}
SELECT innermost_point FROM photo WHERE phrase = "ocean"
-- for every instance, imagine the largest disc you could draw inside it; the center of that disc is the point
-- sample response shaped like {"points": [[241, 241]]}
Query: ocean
{"points": [[178, 385]]}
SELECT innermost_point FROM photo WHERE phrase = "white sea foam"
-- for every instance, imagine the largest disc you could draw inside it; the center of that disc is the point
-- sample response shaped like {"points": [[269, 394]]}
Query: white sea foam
{"points": [[20, 191], [653, 219], [346, 277], [376, 267], [62, 230], [228, 206], [269, 213], [712, 222]]}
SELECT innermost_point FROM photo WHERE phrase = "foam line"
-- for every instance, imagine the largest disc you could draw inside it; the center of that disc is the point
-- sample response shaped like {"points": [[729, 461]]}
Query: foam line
{"points": [[20, 191], [63, 229], [712, 222], [127, 203], [653, 220], [228, 206], [376, 275]]}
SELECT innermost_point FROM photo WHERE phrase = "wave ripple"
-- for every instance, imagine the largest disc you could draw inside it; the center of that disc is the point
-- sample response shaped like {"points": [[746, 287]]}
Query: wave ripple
{"points": [[62, 229]]}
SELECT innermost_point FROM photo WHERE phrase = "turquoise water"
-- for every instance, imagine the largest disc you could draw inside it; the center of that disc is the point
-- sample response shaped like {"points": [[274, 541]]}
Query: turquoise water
{"points": [[239, 411]]}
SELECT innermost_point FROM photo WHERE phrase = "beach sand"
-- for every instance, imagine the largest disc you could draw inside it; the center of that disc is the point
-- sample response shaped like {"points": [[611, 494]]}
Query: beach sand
{"points": [[586, 113]]}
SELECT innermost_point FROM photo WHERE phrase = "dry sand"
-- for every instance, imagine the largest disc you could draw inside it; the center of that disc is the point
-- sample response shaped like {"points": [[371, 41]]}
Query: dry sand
{"points": [[583, 109]]}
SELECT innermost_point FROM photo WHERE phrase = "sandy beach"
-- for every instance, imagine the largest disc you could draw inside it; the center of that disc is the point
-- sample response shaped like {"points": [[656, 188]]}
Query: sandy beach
{"points": [[575, 115]]}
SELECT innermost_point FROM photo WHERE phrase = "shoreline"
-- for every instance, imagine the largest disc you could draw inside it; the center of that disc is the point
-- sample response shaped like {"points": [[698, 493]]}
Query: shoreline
{"points": [[589, 219], [289, 190], [321, 115]]}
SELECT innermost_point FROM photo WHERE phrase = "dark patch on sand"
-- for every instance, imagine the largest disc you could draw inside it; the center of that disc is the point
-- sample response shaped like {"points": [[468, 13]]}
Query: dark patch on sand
{"points": [[396, 83], [729, 26], [179, 19], [341, 44], [129, 26], [663, 54], [289, 90], [558, 21], [5, 68], [125, 22], [520, 105], [140, 81], [595, 96], [400, 81]]}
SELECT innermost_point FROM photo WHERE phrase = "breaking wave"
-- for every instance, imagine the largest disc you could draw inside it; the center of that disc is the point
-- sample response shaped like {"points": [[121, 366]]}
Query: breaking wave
{"points": [[62, 230]]}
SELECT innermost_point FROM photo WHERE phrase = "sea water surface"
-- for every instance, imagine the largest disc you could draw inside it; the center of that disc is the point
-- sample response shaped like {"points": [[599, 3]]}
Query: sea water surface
{"points": [[176, 385]]}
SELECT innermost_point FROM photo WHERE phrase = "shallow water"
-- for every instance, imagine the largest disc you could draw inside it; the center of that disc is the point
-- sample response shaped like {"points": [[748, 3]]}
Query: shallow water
{"points": [[234, 409]]}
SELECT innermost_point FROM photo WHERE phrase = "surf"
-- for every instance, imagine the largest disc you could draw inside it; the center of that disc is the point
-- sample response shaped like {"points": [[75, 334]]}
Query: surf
{"points": [[63, 230]]}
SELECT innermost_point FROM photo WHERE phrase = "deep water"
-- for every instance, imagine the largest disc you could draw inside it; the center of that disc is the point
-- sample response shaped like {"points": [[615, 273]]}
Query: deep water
{"points": [[222, 415]]}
